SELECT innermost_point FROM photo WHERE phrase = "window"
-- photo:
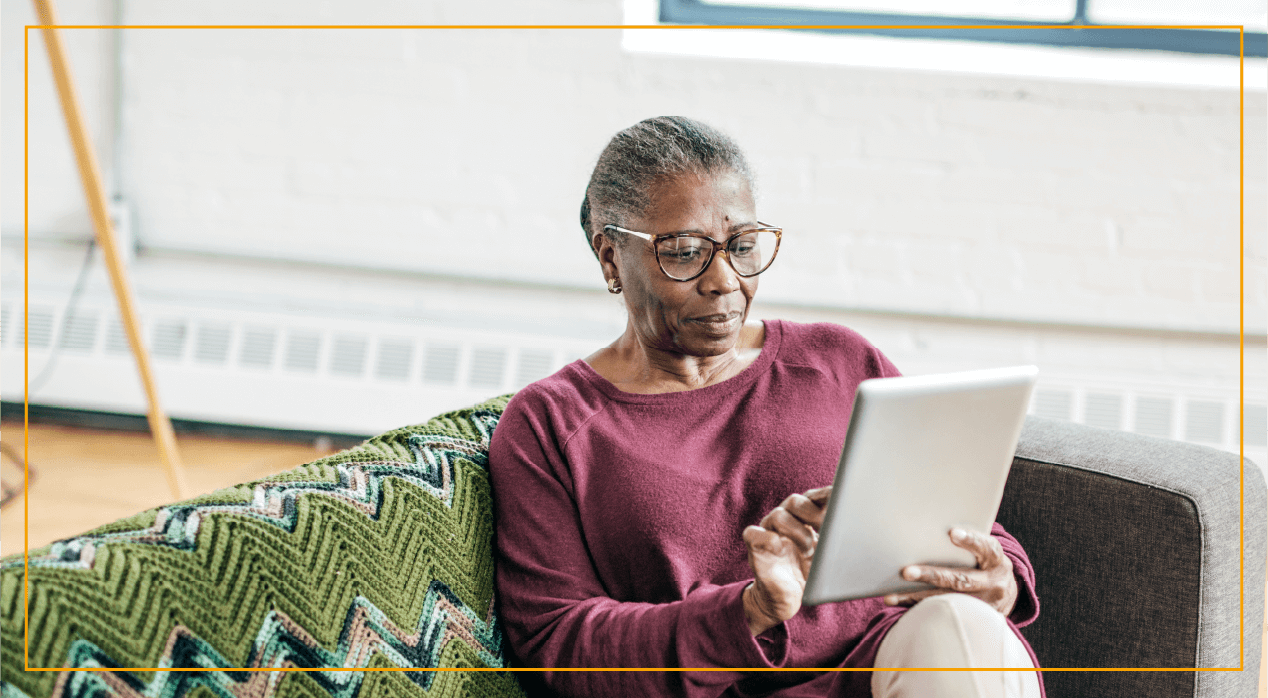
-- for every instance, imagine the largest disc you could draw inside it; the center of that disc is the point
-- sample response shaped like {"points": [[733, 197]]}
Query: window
{"points": [[1004, 21]]}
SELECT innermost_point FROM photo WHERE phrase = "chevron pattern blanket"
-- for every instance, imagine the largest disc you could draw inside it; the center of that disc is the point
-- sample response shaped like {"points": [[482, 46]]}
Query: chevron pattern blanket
{"points": [[378, 557]]}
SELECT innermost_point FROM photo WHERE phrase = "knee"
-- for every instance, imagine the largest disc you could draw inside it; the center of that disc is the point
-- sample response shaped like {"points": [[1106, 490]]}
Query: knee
{"points": [[957, 612], [953, 631], [950, 629]]}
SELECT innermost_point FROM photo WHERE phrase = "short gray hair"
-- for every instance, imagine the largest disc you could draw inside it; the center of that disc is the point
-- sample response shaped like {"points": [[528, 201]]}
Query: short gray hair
{"points": [[652, 150]]}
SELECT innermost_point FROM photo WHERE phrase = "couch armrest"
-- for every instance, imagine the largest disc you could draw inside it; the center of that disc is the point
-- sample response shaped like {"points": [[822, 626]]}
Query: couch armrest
{"points": [[1136, 545], [377, 557]]}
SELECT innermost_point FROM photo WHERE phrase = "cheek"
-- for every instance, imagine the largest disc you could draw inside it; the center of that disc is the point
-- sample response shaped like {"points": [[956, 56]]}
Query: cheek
{"points": [[640, 292], [643, 296], [663, 308], [657, 305]]}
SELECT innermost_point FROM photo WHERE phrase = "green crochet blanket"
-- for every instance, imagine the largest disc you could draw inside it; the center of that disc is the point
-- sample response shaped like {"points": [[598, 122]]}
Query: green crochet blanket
{"points": [[379, 556]]}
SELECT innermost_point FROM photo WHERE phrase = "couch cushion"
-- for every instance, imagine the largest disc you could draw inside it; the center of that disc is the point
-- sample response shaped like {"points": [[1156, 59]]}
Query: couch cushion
{"points": [[1116, 573]]}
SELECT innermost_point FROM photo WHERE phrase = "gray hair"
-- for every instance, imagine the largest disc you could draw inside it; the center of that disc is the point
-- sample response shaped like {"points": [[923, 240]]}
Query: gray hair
{"points": [[647, 152]]}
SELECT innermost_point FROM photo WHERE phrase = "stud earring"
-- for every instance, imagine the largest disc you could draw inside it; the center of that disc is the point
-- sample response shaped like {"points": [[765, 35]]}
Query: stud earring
{"points": [[614, 286]]}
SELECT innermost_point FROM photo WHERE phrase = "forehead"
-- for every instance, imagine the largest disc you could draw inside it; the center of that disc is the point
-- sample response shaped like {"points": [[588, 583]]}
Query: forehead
{"points": [[692, 202]]}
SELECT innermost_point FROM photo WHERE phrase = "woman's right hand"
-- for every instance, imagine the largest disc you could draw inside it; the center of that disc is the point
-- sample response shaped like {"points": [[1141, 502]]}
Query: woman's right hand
{"points": [[780, 550]]}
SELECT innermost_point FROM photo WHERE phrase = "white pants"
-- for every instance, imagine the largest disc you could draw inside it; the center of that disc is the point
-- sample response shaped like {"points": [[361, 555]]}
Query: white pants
{"points": [[953, 630]]}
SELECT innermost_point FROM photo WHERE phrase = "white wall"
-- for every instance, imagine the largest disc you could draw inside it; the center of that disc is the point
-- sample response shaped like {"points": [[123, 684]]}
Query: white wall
{"points": [[466, 151], [56, 199], [906, 194]]}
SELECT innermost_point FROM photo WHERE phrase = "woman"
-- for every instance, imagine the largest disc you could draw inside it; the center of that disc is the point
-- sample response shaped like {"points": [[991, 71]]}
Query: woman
{"points": [[647, 499]]}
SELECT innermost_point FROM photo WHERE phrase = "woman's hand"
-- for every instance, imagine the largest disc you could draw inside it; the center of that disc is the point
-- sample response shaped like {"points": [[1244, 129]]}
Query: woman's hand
{"points": [[780, 550], [991, 582]]}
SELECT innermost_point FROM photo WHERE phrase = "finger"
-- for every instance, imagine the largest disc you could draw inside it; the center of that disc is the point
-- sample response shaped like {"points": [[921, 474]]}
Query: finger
{"points": [[761, 540], [986, 549], [954, 578], [910, 598], [819, 495], [804, 509], [792, 528], [758, 538]]}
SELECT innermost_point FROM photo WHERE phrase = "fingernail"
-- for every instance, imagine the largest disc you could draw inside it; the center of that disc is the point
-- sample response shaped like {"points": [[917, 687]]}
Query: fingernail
{"points": [[911, 573], [958, 534], [891, 600]]}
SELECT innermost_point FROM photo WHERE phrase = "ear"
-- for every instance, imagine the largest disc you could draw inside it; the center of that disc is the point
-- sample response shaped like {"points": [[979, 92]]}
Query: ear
{"points": [[606, 250]]}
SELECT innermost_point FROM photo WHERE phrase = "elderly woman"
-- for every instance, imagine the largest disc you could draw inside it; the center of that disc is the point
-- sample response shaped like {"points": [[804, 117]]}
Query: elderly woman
{"points": [[658, 502]]}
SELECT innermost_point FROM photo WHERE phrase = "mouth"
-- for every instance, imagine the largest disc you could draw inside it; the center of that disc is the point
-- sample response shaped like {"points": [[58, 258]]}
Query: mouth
{"points": [[717, 322]]}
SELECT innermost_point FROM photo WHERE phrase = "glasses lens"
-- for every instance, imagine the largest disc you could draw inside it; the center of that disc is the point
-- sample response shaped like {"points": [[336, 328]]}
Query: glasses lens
{"points": [[751, 253], [683, 257]]}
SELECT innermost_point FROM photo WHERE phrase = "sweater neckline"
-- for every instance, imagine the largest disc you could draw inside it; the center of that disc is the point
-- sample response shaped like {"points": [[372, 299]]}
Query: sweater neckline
{"points": [[770, 348]]}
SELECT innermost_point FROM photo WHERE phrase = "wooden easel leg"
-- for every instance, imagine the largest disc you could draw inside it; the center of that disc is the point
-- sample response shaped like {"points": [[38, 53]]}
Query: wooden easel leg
{"points": [[90, 175]]}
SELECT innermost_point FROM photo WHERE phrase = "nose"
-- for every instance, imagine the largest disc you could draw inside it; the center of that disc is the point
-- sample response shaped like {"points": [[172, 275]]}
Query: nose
{"points": [[720, 278]]}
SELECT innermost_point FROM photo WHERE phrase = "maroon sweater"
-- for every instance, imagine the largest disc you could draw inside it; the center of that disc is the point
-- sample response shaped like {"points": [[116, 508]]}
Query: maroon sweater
{"points": [[619, 518]]}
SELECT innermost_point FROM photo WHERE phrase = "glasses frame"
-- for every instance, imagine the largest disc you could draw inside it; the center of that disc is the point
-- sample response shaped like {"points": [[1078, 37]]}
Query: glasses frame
{"points": [[713, 251]]}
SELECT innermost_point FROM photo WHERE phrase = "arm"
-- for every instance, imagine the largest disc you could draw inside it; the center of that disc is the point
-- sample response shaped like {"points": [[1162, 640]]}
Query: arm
{"points": [[554, 606]]}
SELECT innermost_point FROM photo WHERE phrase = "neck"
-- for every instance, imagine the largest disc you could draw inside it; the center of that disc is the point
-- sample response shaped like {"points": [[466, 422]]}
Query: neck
{"points": [[637, 367], [654, 367]]}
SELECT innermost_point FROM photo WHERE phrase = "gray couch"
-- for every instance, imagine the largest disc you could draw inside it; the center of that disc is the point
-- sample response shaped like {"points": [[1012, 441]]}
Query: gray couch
{"points": [[1135, 542]]}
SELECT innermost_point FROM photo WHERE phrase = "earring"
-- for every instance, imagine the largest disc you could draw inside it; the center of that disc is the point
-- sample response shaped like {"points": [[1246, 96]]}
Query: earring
{"points": [[614, 286]]}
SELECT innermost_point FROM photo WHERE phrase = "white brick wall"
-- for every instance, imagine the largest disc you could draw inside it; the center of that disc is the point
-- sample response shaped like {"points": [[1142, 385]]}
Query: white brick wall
{"points": [[467, 151], [56, 197]]}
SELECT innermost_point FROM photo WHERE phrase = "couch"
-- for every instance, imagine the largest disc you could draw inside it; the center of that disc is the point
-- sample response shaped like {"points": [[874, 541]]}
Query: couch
{"points": [[380, 557]]}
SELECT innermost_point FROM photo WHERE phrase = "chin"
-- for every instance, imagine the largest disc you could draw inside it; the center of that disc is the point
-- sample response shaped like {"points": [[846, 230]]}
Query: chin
{"points": [[697, 344]]}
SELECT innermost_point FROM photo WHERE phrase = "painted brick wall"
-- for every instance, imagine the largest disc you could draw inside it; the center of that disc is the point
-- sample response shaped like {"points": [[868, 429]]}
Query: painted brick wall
{"points": [[466, 152], [57, 203]]}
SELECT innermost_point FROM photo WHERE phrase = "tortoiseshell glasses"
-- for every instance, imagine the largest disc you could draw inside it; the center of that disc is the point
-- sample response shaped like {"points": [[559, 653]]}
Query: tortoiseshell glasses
{"points": [[684, 256]]}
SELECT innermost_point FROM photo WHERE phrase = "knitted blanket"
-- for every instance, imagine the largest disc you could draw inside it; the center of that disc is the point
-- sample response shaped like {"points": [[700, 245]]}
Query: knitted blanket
{"points": [[379, 556]]}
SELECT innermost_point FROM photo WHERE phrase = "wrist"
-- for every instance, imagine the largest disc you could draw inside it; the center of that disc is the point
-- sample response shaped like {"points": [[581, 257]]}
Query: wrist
{"points": [[759, 621]]}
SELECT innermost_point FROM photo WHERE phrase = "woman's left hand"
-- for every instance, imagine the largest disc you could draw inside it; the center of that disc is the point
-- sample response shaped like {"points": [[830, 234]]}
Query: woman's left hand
{"points": [[992, 581]]}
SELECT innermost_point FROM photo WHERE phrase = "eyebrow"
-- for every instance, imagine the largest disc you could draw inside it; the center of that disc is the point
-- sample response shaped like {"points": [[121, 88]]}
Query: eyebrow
{"points": [[733, 229]]}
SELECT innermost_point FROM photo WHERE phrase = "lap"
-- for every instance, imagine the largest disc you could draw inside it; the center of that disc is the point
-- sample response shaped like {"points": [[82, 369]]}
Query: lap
{"points": [[954, 631], [940, 624]]}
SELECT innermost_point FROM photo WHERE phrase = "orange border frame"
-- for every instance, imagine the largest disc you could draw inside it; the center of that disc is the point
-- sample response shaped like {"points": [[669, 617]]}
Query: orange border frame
{"points": [[1242, 314]]}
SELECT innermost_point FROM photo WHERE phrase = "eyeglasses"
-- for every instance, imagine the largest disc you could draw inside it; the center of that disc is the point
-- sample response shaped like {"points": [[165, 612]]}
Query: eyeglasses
{"points": [[684, 256]]}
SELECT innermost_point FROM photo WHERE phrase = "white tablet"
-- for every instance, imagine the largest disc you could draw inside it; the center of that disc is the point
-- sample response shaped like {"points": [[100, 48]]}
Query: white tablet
{"points": [[922, 455]]}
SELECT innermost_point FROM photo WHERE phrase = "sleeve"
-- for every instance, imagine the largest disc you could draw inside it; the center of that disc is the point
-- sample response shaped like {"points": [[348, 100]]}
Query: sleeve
{"points": [[883, 367], [555, 610], [1026, 610], [841, 352]]}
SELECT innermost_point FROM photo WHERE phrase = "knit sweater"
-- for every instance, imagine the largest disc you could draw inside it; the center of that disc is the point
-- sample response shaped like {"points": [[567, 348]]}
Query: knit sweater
{"points": [[619, 520]]}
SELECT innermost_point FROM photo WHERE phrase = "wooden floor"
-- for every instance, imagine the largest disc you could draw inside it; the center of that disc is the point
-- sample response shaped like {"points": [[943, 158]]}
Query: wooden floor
{"points": [[86, 478]]}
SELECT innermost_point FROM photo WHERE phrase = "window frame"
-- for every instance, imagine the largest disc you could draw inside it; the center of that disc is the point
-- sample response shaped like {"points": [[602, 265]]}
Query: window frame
{"points": [[988, 30]]}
